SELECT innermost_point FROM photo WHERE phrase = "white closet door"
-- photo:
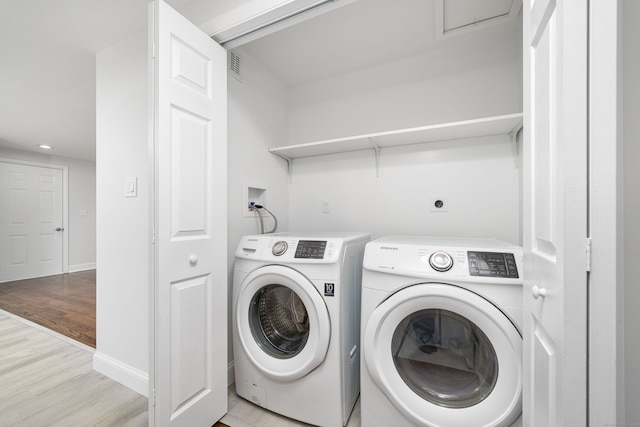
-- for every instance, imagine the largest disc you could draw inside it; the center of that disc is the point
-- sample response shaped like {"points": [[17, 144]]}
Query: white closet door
{"points": [[190, 261], [31, 221], [555, 212]]}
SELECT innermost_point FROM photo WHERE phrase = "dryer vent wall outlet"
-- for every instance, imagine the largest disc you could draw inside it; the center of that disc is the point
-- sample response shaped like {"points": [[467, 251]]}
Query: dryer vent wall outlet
{"points": [[438, 204]]}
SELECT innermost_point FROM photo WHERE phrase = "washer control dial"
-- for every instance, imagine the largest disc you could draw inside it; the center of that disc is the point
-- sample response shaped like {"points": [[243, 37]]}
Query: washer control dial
{"points": [[279, 248], [441, 261]]}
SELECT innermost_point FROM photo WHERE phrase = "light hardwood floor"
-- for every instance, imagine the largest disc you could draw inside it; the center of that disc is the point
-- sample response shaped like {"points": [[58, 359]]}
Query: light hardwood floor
{"points": [[46, 380], [47, 340]]}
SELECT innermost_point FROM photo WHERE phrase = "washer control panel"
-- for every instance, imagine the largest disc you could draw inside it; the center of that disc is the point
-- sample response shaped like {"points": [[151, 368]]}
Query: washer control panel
{"points": [[492, 264], [311, 249], [307, 248]]}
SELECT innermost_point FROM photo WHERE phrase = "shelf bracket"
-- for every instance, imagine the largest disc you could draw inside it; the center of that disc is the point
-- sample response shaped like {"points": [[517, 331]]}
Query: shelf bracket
{"points": [[289, 164], [514, 144], [376, 149]]}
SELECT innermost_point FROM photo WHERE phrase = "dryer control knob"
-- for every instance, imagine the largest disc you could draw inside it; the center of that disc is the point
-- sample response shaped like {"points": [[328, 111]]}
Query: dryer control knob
{"points": [[441, 261], [279, 248]]}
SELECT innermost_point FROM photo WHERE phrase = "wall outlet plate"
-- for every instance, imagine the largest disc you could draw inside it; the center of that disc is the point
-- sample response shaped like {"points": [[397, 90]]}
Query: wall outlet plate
{"points": [[438, 204]]}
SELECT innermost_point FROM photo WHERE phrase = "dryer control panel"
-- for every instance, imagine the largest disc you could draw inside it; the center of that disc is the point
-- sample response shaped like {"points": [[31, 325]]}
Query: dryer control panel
{"points": [[439, 258]]}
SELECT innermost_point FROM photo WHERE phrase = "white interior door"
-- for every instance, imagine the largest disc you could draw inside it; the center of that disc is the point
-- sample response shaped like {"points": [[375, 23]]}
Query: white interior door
{"points": [[555, 212], [31, 221], [190, 261]]}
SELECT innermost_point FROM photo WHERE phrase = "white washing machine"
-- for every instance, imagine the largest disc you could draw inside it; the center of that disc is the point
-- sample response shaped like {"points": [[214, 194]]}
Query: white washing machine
{"points": [[441, 340], [296, 323]]}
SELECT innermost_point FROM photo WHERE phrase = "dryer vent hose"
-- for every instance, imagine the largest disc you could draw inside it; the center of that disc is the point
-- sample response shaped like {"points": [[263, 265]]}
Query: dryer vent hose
{"points": [[258, 209]]}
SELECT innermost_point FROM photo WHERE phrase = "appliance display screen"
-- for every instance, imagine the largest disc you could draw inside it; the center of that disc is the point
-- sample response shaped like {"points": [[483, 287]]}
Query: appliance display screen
{"points": [[312, 249], [492, 264]]}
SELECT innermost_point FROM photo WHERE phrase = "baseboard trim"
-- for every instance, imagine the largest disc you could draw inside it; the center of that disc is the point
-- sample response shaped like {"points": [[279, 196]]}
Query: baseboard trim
{"points": [[133, 378], [126, 375], [82, 267]]}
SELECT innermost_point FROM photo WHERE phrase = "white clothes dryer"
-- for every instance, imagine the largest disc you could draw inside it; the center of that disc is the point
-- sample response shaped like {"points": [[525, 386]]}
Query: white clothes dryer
{"points": [[441, 340], [296, 323]]}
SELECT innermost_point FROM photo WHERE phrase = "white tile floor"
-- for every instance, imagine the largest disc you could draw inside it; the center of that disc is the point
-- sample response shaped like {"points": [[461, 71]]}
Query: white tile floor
{"points": [[245, 414]]}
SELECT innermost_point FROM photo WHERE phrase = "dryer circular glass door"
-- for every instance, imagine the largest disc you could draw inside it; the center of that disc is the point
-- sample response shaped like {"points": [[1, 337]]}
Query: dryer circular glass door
{"points": [[282, 322], [445, 356]]}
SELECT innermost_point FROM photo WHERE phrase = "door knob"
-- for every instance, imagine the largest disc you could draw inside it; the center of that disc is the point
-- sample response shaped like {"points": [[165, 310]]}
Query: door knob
{"points": [[193, 260], [538, 292], [60, 229]]}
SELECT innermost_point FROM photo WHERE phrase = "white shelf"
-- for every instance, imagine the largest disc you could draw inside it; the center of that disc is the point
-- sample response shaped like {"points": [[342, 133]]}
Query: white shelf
{"points": [[497, 125], [486, 126]]}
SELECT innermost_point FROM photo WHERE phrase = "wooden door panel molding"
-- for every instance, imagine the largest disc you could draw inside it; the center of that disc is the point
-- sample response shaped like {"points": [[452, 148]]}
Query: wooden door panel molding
{"points": [[542, 129], [544, 383], [190, 206], [190, 353], [190, 67]]}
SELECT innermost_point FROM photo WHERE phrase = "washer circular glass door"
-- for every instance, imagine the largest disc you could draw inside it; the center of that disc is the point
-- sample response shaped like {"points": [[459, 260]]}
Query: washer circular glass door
{"points": [[445, 356], [282, 322]]}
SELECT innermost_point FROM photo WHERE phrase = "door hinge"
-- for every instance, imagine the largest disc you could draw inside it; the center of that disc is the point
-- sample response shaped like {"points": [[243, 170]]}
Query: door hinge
{"points": [[154, 397], [588, 254]]}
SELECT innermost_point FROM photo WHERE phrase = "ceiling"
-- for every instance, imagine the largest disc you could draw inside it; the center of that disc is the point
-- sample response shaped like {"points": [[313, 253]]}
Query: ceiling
{"points": [[366, 33], [47, 69], [47, 56], [356, 36]]}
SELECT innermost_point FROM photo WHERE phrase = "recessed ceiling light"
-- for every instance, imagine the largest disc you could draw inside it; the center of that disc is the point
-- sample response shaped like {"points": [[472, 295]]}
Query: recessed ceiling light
{"points": [[45, 147]]}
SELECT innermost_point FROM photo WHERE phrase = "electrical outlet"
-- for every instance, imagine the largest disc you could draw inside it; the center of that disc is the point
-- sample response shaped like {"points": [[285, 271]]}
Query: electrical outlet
{"points": [[438, 204]]}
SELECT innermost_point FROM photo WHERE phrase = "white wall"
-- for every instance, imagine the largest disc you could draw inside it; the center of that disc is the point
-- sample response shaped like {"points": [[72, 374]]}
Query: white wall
{"points": [[82, 196], [257, 120], [82, 215], [123, 238], [478, 177], [631, 166], [481, 77]]}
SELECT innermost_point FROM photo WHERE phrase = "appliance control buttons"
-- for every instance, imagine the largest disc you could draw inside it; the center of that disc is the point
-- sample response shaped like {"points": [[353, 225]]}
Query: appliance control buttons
{"points": [[279, 248], [441, 261]]}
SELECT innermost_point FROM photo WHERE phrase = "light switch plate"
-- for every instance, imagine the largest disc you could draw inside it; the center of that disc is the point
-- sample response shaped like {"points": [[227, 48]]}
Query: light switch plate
{"points": [[131, 186]]}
